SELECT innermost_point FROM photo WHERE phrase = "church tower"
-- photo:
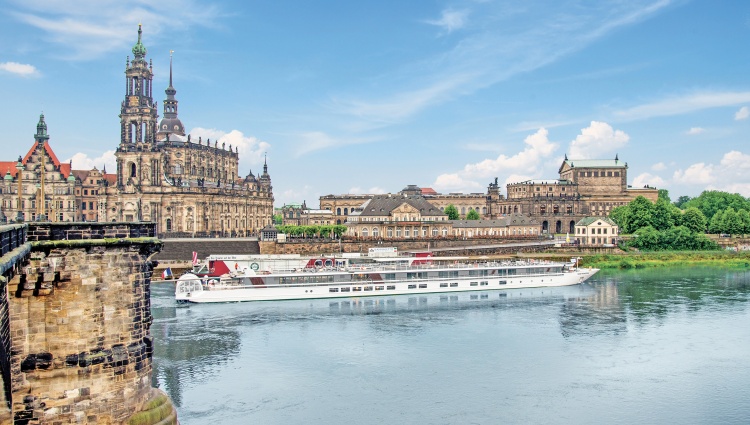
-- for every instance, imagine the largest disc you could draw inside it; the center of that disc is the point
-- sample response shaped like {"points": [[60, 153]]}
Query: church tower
{"points": [[138, 114], [170, 124]]}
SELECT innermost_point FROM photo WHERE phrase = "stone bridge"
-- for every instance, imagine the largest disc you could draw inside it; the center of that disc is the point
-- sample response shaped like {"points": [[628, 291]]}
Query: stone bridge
{"points": [[75, 318]]}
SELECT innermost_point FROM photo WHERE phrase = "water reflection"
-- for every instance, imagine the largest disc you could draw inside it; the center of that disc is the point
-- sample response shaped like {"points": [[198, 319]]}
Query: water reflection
{"points": [[279, 362]]}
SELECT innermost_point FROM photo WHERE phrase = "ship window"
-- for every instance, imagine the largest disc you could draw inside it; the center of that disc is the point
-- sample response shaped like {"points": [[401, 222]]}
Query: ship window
{"points": [[391, 287], [412, 286], [333, 289], [379, 288], [390, 276], [423, 285], [357, 289], [474, 284], [454, 284], [368, 288], [503, 282], [444, 285], [344, 289], [483, 283]]}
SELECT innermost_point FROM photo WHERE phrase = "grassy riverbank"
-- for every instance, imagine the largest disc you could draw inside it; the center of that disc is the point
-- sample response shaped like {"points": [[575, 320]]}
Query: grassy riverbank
{"points": [[640, 260]]}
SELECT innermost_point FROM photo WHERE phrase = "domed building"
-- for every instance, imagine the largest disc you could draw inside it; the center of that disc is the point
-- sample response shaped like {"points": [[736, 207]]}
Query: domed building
{"points": [[188, 187]]}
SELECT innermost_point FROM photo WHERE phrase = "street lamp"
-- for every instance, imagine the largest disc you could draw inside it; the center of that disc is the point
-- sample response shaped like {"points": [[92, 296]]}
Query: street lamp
{"points": [[20, 168]]}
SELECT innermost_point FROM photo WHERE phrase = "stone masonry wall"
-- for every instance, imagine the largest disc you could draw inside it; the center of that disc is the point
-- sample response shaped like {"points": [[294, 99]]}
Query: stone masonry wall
{"points": [[80, 319]]}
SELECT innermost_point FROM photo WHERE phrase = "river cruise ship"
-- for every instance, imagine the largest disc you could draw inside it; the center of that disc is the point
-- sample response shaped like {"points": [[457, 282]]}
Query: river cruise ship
{"points": [[338, 278]]}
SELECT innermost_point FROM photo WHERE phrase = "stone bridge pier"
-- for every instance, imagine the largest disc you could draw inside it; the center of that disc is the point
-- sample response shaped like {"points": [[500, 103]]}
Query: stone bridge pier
{"points": [[75, 317]]}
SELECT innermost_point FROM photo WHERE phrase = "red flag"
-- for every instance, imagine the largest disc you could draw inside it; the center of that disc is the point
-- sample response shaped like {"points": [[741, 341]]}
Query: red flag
{"points": [[195, 258]]}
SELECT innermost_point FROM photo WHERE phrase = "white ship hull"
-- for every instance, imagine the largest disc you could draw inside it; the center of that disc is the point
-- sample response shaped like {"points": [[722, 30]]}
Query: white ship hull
{"points": [[348, 284]]}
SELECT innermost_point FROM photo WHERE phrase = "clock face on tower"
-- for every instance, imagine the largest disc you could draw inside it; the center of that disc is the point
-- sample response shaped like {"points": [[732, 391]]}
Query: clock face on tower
{"points": [[133, 101]]}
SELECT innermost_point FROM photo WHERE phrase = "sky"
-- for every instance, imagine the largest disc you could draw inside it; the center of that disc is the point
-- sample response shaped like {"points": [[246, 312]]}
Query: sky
{"points": [[371, 96]]}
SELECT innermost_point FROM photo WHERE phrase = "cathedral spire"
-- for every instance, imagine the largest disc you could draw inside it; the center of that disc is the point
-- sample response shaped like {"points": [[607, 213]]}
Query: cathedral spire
{"points": [[170, 124]]}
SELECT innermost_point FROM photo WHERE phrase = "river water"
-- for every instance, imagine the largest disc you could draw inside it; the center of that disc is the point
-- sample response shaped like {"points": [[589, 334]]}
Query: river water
{"points": [[646, 346]]}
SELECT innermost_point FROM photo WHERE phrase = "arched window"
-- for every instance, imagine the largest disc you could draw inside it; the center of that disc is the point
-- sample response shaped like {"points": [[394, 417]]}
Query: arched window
{"points": [[169, 225], [338, 211], [178, 168], [445, 231], [364, 232], [346, 211], [375, 232], [132, 169]]}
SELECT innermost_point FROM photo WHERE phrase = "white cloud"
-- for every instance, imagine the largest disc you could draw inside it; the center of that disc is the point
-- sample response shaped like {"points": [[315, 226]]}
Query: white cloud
{"points": [[647, 179], [450, 20], [731, 174], [659, 166], [494, 48], [81, 161], [20, 69], [90, 28], [699, 174], [682, 105], [250, 149], [375, 190], [597, 139], [538, 148], [695, 130], [742, 114]]}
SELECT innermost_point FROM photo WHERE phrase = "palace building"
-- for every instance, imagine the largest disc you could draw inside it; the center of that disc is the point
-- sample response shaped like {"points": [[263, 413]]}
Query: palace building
{"points": [[188, 187]]}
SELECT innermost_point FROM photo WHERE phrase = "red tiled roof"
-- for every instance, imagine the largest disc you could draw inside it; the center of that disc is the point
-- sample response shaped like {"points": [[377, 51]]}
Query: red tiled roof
{"points": [[428, 191], [64, 168], [110, 177], [6, 166]]}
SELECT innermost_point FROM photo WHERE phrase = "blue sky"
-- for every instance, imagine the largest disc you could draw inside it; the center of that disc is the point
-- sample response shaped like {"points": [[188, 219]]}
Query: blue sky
{"points": [[370, 96]]}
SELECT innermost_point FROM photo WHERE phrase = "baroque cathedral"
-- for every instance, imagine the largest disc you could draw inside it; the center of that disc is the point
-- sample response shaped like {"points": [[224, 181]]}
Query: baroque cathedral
{"points": [[187, 187]]}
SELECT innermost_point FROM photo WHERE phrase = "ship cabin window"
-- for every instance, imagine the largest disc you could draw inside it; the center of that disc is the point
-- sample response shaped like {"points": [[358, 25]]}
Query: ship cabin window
{"points": [[423, 285], [412, 286], [391, 287], [379, 288], [503, 282], [485, 283], [389, 276], [357, 289], [444, 285], [474, 284], [368, 288], [344, 289], [333, 289], [454, 284]]}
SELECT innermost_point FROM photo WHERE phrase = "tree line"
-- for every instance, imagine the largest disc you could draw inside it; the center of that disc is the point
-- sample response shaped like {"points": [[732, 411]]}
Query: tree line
{"points": [[321, 231], [682, 225]]}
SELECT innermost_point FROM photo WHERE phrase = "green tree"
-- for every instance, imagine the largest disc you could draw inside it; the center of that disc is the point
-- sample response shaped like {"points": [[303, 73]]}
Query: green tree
{"points": [[694, 220], [472, 214], [641, 214], [339, 229], [310, 231], [732, 223], [325, 231], [712, 201], [664, 194], [619, 216], [682, 200], [277, 219], [646, 238], [661, 216], [744, 216], [716, 223], [452, 212]]}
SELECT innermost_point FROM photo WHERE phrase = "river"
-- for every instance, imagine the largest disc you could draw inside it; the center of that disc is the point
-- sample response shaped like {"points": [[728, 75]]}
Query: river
{"points": [[642, 346]]}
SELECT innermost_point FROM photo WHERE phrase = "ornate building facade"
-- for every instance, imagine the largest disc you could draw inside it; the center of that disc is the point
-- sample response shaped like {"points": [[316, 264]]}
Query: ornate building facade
{"points": [[164, 176], [187, 188], [586, 187]]}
